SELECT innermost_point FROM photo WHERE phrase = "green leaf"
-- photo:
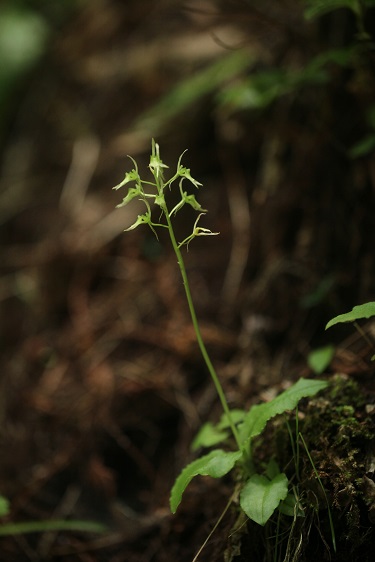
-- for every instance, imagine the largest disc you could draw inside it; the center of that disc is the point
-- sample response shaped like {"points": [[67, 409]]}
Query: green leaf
{"points": [[236, 415], [291, 506], [319, 359], [45, 526], [260, 497], [208, 436], [272, 469], [258, 416], [195, 87], [216, 464], [317, 8], [363, 147], [4, 506], [366, 310], [212, 434]]}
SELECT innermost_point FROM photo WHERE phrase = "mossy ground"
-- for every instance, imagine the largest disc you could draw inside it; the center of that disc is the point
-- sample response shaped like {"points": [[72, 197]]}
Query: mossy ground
{"points": [[339, 432]]}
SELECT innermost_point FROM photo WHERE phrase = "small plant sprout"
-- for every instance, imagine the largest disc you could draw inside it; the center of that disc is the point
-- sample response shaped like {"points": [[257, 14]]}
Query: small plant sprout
{"points": [[259, 494]]}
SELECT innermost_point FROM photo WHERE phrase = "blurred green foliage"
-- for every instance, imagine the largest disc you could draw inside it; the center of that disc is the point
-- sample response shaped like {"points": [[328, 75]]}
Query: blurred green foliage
{"points": [[205, 82], [25, 28], [23, 35], [244, 81]]}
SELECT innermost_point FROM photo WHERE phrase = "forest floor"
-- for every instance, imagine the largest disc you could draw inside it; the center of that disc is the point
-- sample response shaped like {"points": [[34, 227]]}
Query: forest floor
{"points": [[102, 385]]}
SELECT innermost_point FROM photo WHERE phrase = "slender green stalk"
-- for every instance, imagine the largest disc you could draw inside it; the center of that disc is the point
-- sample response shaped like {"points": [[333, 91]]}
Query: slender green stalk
{"points": [[294, 445], [202, 347], [46, 526], [156, 167]]}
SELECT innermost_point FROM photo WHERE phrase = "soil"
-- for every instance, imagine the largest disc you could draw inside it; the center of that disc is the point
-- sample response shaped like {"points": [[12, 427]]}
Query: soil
{"points": [[102, 385]]}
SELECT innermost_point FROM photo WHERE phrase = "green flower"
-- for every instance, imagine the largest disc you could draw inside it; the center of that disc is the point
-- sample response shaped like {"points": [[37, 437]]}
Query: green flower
{"points": [[142, 219], [156, 164], [132, 193], [185, 173], [197, 231], [186, 199], [130, 176]]}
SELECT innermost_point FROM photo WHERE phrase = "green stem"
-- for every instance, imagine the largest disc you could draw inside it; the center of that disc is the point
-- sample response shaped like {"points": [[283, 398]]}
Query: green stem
{"points": [[202, 347]]}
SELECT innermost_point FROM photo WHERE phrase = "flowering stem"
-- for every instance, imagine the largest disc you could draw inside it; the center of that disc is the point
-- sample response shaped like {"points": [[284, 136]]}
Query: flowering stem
{"points": [[202, 347], [156, 167]]}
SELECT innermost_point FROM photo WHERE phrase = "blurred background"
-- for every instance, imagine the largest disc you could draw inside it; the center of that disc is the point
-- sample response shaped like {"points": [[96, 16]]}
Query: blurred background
{"points": [[102, 386]]}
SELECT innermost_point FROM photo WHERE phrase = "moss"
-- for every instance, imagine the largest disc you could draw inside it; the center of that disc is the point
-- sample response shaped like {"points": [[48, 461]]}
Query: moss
{"points": [[339, 435]]}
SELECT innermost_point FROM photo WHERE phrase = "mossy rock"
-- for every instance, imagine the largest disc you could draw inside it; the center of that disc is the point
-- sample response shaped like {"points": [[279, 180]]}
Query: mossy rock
{"points": [[338, 428]]}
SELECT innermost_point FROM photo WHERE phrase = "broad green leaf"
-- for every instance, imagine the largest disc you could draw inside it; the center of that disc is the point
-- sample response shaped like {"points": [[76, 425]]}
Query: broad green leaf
{"points": [[258, 416], [216, 464], [4, 506], [366, 310], [260, 497], [319, 359], [208, 436]]}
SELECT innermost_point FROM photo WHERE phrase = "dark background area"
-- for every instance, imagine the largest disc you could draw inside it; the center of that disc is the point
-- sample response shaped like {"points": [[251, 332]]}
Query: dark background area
{"points": [[102, 385]]}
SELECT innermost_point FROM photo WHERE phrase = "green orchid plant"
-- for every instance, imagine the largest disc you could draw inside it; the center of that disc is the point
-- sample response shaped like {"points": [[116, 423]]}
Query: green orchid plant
{"points": [[259, 494]]}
